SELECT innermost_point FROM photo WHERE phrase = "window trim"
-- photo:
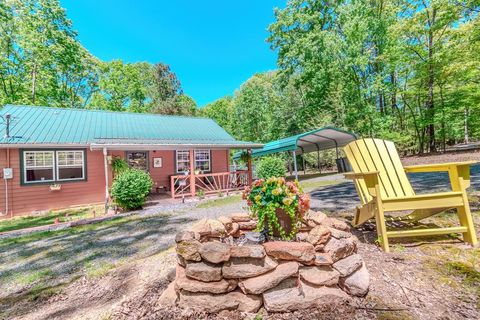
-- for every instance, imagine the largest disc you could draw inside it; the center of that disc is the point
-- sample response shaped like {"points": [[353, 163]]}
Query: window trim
{"points": [[24, 160], [49, 182], [56, 166], [176, 160], [209, 159], [194, 152]]}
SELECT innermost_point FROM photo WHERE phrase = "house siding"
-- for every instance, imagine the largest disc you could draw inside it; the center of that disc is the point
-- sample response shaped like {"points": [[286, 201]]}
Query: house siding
{"points": [[28, 199]]}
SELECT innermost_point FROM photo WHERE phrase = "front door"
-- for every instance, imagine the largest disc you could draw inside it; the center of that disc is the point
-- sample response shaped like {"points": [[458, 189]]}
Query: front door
{"points": [[137, 159]]}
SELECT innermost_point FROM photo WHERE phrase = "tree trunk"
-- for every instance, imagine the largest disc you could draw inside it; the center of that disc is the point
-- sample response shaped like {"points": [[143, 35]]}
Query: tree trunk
{"points": [[465, 125], [431, 83], [34, 82]]}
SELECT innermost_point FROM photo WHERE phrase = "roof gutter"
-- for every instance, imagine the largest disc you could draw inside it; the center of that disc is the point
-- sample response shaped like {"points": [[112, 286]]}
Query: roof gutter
{"points": [[133, 146]]}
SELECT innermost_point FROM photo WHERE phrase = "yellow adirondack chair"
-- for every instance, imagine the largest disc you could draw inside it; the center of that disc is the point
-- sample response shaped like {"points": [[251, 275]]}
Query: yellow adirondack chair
{"points": [[383, 186]]}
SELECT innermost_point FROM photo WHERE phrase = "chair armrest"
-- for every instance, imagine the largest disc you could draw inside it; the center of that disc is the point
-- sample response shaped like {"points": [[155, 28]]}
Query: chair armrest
{"points": [[437, 167], [362, 175]]}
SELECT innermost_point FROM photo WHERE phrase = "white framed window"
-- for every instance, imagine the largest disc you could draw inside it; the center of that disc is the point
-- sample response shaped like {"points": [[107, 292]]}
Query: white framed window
{"points": [[38, 166], [53, 166], [202, 160], [182, 160], [70, 165]]}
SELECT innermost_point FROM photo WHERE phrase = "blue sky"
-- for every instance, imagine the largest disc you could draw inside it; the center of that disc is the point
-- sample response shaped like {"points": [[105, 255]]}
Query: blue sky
{"points": [[213, 46]]}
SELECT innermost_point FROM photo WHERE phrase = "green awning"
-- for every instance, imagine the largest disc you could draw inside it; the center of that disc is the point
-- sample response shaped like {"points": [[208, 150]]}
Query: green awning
{"points": [[315, 140]]}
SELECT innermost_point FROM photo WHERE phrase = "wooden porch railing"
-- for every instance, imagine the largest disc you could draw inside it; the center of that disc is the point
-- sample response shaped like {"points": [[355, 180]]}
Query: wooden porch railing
{"points": [[209, 183]]}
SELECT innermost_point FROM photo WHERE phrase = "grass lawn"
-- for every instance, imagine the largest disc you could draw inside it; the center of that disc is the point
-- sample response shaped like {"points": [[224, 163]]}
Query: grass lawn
{"points": [[49, 218], [37, 262]]}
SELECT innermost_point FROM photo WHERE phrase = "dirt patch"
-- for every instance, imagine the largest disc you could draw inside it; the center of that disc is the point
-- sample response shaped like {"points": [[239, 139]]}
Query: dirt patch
{"points": [[98, 297], [424, 278]]}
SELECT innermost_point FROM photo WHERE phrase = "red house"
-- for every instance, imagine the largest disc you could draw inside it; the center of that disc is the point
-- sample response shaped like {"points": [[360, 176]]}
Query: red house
{"points": [[55, 158]]}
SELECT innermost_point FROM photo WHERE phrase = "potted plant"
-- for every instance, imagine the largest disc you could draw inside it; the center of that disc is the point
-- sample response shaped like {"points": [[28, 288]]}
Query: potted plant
{"points": [[279, 205]]}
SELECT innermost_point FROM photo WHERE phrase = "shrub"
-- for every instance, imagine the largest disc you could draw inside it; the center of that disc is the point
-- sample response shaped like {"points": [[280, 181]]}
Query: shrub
{"points": [[271, 167], [131, 187]]}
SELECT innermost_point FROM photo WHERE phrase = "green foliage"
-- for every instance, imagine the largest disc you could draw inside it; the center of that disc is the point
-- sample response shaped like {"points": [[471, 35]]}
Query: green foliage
{"points": [[383, 68], [43, 63], [130, 189], [266, 196], [268, 167], [201, 194], [119, 165]]}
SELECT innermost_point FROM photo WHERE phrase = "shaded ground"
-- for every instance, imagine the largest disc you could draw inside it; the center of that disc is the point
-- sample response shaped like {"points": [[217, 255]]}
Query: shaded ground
{"points": [[38, 266], [343, 196]]}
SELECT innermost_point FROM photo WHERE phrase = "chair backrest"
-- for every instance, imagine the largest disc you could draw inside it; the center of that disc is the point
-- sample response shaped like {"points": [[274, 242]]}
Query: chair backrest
{"points": [[378, 155]]}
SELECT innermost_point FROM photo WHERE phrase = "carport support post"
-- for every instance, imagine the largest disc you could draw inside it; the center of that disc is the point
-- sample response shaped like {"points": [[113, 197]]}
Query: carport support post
{"points": [[105, 164], [249, 167], [318, 161], [294, 154], [192, 173]]}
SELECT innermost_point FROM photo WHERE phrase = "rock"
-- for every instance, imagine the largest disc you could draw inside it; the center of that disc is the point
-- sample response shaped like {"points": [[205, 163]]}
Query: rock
{"points": [[202, 227], [250, 251], [215, 252], [299, 251], [181, 261], [321, 275], [240, 217], [246, 302], [204, 271], [227, 222], [335, 223], [235, 229], [357, 283], [247, 225], [189, 250], [315, 218], [318, 235], [339, 234], [340, 248], [301, 236], [323, 259], [288, 296], [348, 265], [238, 268], [186, 235], [212, 303], [253, 238], [222, 286], [217, 228], [169, 296], [319, 247], [262, 283]]}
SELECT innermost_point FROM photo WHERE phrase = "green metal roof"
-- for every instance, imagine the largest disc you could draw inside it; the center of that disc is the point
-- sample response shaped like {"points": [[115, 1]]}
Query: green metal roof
{"points": [[315, 140], [32, 125]]}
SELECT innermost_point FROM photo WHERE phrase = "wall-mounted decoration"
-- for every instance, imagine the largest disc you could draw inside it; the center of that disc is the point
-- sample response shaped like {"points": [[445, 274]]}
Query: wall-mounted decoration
{"points": [[157, 162]]}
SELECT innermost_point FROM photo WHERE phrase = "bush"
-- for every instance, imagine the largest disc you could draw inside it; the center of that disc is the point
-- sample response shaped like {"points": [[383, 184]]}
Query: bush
{"points": [[130, 189], [271, 167]]}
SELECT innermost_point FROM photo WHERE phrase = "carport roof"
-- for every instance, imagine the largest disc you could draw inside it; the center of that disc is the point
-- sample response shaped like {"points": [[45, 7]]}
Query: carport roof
{"points": [[315, 140]]}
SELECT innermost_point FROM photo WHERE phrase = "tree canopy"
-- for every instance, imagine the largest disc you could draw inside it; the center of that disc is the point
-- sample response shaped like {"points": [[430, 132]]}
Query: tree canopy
{"points": [[43, 63], [405, 70], [402, 70]]}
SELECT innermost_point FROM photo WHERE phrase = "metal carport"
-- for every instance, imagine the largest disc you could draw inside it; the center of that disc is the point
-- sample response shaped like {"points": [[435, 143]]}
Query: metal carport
{"points": [[311, 141]]}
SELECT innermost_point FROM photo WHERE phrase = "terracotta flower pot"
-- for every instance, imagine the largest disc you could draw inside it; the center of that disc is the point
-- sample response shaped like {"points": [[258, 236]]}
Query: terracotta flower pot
{"points": [[285, 222]]}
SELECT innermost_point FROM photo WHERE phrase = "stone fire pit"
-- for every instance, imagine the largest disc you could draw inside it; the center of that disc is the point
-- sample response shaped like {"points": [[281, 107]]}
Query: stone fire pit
{"points": [[220, 269]]}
